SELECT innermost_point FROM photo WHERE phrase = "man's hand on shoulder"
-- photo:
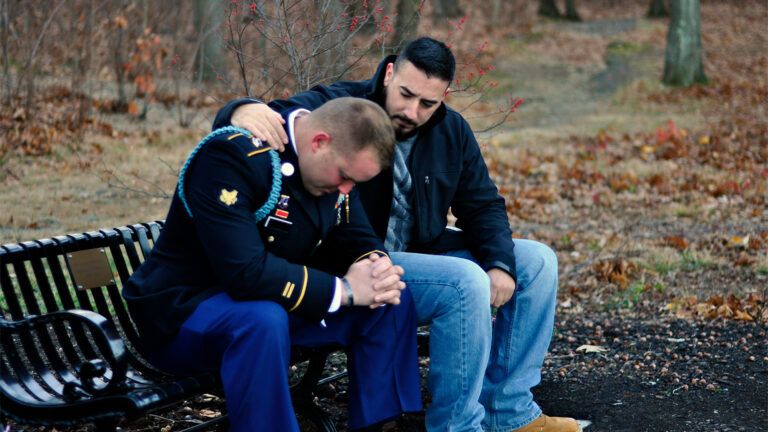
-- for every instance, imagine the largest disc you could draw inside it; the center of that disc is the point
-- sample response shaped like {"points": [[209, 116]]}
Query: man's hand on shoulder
{"points": [[502, 287], [263, 122]]}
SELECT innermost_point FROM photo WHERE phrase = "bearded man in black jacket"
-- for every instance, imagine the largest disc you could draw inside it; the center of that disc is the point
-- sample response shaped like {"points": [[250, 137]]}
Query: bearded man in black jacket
{"points": [[480, 377]]}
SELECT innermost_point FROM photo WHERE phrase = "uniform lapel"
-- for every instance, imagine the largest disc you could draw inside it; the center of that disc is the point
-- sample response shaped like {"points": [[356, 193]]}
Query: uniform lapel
{"points": [[327, 213], [292, 185]]}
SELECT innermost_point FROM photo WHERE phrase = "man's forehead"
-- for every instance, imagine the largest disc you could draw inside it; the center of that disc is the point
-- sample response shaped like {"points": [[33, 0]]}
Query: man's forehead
{"points": [[416, 82], [357, 165]]}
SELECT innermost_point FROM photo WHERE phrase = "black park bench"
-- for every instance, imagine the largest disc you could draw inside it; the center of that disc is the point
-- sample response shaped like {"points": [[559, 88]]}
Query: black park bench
{"points": [[71, 354]]}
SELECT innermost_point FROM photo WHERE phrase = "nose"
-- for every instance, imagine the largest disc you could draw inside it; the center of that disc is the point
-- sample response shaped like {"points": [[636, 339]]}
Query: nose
{"points": [[411, 109], [346, 187]]}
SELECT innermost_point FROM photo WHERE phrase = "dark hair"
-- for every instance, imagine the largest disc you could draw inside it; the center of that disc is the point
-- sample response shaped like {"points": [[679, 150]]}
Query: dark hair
{"points": [[430, 56]]}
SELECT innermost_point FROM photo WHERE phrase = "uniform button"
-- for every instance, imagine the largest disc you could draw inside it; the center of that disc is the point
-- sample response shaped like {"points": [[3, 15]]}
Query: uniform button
{"points": [[271, 239]]}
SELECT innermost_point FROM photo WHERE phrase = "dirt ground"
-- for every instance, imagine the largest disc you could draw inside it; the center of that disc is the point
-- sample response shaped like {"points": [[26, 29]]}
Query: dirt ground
{"points": [[653, 198]]}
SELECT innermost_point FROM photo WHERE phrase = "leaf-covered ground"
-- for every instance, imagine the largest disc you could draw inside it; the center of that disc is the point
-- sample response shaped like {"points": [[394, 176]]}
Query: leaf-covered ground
{"points": [[653, 198]]}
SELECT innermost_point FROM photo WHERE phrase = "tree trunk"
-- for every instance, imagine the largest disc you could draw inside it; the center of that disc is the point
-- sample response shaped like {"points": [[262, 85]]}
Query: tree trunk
{"points": [[445, 9], [495, 12], [571, 13], [209, 15], [119, 60], [4, 23], [30, 67], [657, 9], [407, 22], [683, 64], [83, 65], [548, 8]]}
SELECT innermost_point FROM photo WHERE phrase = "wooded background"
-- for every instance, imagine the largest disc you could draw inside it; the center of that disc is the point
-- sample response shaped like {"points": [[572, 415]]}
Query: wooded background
{"points": [[118, 56]]}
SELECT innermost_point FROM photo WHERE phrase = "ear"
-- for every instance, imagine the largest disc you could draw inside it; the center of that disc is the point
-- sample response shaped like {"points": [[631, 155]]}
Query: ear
{"points": [[320, 140], [388, 73]]}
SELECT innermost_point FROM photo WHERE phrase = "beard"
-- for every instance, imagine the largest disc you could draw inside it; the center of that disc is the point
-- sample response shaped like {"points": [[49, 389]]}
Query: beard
{"points": [[404, 127]]}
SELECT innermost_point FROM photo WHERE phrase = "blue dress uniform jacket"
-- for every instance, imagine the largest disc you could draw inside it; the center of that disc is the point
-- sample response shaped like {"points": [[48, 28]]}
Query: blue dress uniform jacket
{"points": [[223, 249], [448, 172]]}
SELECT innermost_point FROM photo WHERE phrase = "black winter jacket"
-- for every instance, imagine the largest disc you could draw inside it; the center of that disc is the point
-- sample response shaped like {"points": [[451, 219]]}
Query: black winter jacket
{"points": [[447, 170]]}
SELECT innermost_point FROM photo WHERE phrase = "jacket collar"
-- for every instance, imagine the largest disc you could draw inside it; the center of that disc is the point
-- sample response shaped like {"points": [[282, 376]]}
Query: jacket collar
{"points": [[293, 186]]}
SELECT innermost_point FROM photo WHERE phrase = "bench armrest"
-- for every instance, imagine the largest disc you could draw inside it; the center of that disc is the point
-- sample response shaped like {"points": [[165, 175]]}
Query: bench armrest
{"points": [[99, 375]]}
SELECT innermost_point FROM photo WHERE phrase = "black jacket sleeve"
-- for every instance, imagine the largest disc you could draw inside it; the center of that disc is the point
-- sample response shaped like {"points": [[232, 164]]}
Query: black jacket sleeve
{"points": [[310, 100], [479, 209]]}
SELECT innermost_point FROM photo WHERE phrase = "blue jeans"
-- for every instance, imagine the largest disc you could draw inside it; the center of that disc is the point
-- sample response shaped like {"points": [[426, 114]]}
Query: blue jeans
{"points": [[481, 378]]}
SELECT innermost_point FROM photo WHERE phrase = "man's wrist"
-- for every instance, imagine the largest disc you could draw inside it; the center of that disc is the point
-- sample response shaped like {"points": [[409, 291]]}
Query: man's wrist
{"points": [[348, 291]]}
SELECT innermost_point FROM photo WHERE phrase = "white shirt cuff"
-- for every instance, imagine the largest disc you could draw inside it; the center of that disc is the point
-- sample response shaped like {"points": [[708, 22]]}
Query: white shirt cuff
{"points": [[336, 302]]}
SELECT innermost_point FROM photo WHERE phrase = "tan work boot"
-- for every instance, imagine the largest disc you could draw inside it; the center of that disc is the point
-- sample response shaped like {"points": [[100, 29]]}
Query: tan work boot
{"points": [[551, 424]]}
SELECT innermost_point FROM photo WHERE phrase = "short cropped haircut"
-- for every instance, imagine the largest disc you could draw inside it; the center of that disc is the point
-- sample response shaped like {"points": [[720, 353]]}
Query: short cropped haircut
{"points": [[430, 56], [357, 124]]}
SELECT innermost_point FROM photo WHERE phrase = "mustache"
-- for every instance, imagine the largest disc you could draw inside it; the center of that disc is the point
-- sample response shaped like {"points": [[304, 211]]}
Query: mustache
{"points": [[403, 119]]}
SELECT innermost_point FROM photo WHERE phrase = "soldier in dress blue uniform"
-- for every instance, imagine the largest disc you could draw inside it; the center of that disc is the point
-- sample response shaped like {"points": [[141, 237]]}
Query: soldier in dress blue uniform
{"points": [[221, 292]]}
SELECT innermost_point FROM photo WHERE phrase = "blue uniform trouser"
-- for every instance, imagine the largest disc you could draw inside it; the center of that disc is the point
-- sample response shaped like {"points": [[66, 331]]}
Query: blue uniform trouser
{"points": [[249, 344]]}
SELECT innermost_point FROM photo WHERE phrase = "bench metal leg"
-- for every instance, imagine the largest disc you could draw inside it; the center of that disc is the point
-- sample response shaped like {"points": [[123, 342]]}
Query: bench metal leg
{"points": [[303, 393], [318, 417]]}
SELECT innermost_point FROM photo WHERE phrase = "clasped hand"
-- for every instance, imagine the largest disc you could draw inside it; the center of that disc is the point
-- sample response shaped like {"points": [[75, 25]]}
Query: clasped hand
{"points": [[375, 281]]}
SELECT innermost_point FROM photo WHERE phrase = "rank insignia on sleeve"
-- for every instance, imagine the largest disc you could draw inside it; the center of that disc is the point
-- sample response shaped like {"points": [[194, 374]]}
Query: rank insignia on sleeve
{"points": [[228, 197], [281, 214]]}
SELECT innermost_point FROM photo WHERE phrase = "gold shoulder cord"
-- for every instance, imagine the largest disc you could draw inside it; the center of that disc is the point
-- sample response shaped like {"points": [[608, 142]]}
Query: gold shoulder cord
{"points": [[346, 203]]}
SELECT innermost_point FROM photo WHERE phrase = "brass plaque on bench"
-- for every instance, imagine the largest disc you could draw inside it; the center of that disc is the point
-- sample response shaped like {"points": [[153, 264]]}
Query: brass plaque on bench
{"points": [[90, 268]]}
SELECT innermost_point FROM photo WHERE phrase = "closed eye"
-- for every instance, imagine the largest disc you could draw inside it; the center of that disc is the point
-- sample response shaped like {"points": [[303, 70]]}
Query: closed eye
{"points": [[345, 177], [426, 103]]}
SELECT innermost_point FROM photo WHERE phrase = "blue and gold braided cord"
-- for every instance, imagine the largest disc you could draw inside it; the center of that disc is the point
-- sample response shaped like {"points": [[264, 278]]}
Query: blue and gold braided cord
{"points": [[277, 178], [274, 193]]}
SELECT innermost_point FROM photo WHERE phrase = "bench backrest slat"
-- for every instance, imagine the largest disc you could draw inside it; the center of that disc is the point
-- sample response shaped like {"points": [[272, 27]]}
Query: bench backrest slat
{"points": [[61, 291], [24, 285], [143, 239], [53, 257], [130, 248], [40, 352], [47, 342], [128, 328], [9, 294]]}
